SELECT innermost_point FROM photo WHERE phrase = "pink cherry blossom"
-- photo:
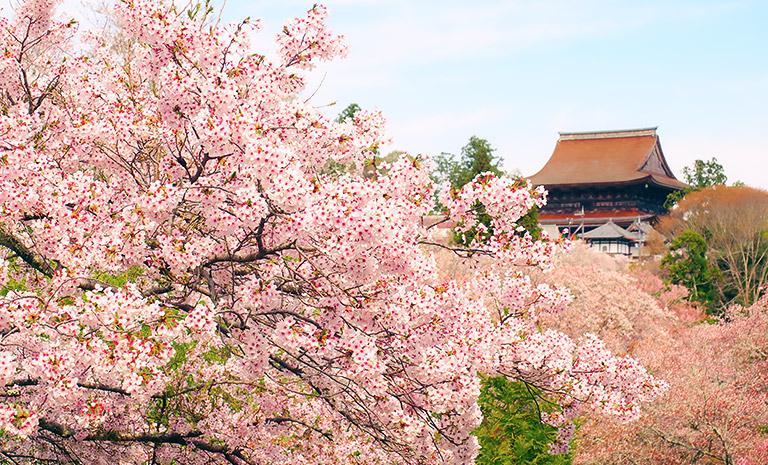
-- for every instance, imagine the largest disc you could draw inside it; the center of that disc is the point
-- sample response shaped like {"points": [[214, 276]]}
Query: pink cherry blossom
{"points": [[184, 281]]}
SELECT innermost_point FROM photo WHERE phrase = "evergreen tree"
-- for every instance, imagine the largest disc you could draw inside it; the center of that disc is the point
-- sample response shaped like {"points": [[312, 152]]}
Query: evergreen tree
{"points": [[512, 432], [478, 156], [705, 174], [701, 175], [686, 264], [348, 114]]}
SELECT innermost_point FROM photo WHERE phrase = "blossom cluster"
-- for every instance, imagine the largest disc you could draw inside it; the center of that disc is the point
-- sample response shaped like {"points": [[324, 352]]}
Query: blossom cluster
{"points": [[504, 199], [716, 372]]}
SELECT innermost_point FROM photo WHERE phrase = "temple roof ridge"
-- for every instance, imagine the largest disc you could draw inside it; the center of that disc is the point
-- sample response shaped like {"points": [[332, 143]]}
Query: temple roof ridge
{"points": [[610, 133], [620, 156]]}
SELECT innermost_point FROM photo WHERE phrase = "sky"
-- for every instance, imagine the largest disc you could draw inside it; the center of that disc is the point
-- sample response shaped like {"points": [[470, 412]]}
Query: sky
{"points": [[516, 72]]}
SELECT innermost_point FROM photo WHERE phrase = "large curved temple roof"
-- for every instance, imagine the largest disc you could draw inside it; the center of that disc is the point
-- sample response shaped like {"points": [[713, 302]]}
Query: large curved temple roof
{"points": [[607, 157]]}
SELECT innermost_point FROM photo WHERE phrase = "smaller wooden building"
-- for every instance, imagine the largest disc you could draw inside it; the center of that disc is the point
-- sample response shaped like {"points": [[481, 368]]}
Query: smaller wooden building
{"points": [[613, 239]]}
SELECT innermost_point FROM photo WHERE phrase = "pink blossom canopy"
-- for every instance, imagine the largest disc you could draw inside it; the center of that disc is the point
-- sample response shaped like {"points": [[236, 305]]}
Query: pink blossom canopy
{"points": [[184, 278]]}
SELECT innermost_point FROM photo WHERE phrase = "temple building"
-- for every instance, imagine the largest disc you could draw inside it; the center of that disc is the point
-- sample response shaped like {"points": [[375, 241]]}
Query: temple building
{"points": [[613, 239], [619, 178]]}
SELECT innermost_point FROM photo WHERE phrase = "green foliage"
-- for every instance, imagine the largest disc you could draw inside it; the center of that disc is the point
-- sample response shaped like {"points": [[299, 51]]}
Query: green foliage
{"points": [[705, 174], [120, 279], [476, 157], [348, 114], [531, 223], [687, 264], [179, 357], [700, 175], [12, 285], [675, 197], [157, 412], [512, 432], [218, 355]]}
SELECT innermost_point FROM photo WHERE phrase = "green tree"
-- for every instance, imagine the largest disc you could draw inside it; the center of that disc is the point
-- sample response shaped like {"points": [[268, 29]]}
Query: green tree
{"points": [[701, 175], [512, 432], [478, 156], [686, 264], [734, 223], [348, 114]]}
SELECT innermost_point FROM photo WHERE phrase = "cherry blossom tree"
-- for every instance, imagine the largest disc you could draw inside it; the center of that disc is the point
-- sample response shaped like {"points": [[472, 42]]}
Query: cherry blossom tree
{"points": [[716, 408], [627, 308], [733, 221], [182, 282]]}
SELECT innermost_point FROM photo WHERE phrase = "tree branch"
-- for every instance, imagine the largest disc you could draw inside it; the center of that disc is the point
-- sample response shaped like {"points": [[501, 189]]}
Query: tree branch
{"points": [[10, 242]]}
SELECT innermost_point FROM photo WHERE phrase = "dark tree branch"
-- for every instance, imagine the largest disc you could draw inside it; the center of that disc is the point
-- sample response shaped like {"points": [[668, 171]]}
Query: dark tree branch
{"points": [[279, 420], [10, 242]]}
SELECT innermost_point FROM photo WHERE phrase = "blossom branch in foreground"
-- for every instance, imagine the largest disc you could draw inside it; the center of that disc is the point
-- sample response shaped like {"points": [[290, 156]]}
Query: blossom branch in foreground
{"points": [[182, 281]]}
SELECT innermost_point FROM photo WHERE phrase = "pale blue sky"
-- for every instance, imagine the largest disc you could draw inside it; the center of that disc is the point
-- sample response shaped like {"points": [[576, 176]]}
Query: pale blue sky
{"points": [[516, 72]]}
